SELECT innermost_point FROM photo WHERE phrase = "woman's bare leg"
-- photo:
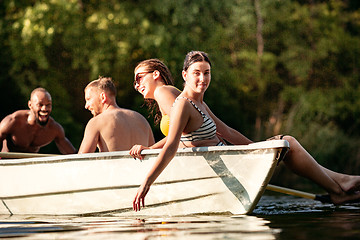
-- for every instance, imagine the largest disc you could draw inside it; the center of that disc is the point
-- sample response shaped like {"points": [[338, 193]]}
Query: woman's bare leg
{"points": [[348, 183], [336, 184]]}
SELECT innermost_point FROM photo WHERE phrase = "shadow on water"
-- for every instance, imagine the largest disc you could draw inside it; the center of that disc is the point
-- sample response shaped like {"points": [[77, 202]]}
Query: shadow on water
{"points": [[308, 219], [274, 218]]}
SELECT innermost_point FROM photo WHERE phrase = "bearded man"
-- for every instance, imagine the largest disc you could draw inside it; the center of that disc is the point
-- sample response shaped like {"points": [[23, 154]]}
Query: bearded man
{"points": [[112, 128], [29, 130]]}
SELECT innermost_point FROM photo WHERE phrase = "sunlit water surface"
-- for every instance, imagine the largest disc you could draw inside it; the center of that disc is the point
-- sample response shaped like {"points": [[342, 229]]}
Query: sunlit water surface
{"points": [[275, 217]]}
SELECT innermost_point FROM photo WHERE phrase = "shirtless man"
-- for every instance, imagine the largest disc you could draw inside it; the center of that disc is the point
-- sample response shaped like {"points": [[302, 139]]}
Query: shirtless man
{"points": [[112, 128], [29, 130]]}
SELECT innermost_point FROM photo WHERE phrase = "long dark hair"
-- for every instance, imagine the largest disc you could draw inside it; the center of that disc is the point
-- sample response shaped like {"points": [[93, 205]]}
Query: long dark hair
{"points": [[195, 56], [150, 66]]}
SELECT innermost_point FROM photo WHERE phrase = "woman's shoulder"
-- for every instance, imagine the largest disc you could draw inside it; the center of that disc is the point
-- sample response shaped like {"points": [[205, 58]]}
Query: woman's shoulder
{"points": [[165, 94], [182, 101], [173, 89], [168, 89], [181, 106]]}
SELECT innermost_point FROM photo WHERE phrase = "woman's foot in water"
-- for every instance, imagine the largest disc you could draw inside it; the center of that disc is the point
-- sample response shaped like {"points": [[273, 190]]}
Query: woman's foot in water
{"points": [[338, 199], [349, 183]]}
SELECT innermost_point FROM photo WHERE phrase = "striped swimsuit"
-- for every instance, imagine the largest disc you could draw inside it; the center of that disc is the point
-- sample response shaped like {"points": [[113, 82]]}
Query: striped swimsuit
{"points": [[206, 131]]}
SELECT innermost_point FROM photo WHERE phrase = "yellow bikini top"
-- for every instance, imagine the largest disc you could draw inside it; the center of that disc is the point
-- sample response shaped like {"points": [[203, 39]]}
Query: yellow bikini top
{"points": [[164, 124], [165, 120]]}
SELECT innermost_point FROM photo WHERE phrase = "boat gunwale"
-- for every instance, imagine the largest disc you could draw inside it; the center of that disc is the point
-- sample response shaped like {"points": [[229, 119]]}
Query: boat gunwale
{"points": [[270, 144]]}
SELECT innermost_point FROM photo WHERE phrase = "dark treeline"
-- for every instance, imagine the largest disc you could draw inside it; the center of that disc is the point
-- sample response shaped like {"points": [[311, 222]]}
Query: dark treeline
{"points": [[279, 66]]}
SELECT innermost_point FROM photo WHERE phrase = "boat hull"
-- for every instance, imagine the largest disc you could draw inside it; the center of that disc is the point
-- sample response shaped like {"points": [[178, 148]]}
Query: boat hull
{"points": [[198, 180]]}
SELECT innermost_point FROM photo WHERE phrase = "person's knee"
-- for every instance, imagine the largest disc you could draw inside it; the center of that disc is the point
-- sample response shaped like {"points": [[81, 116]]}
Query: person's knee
{"points": [[290, 139], [293, 143]]}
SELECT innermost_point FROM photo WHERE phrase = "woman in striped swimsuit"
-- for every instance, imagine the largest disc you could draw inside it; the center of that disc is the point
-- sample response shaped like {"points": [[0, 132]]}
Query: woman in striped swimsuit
{"points": [[193, 124], [154, 81]]}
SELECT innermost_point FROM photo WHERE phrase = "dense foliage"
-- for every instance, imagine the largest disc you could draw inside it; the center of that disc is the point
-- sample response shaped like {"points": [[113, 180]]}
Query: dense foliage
{"points": [[278, 66]]}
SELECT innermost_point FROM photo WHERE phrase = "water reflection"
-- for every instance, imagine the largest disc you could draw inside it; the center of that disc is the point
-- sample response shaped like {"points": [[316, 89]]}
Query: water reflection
{"points": [[274, 218], [185, 227]]}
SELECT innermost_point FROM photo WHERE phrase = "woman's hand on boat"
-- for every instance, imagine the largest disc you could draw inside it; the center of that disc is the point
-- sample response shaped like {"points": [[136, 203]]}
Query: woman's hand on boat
{"points": [[140, 197], [135, 151]]}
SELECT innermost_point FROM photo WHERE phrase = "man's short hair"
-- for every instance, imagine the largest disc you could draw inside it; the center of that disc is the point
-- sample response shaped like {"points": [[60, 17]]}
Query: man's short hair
{"points": [[104, 84]]}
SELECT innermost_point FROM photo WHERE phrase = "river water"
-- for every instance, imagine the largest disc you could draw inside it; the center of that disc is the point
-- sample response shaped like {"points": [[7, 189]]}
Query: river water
{"points": [[275, 217]]}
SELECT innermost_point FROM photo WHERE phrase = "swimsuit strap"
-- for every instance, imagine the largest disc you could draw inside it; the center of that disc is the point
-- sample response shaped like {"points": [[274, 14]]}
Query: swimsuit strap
{"points": [[206, 131], [196, 107]]}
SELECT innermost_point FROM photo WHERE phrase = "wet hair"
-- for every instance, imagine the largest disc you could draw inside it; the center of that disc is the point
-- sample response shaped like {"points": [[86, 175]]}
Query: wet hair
{"points": [[104, 84], [39, 89], [156, 65], [193, 57]]}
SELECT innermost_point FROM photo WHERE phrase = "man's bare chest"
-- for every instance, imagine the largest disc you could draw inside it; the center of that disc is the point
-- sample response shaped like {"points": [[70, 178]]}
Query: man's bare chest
{"points": [[27, 137]]}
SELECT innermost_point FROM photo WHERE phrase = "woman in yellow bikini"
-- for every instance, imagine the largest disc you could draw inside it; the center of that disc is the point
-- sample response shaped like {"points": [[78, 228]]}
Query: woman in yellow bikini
{"points": [[193, 124], [154, 81]]}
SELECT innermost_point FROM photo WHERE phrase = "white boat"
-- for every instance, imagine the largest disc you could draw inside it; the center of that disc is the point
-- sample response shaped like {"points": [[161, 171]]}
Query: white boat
{"points": [[198, 180]]}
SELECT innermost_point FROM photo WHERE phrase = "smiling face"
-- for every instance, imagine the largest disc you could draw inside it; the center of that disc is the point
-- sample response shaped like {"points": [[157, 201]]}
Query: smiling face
{"points": [[93, 100], [40, 105], [198, 76], [143, 82]]}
